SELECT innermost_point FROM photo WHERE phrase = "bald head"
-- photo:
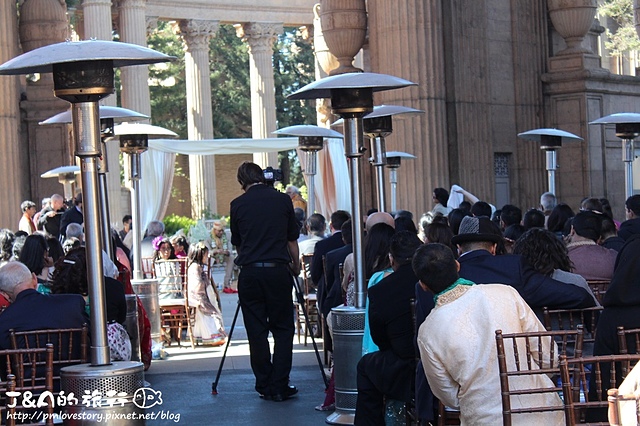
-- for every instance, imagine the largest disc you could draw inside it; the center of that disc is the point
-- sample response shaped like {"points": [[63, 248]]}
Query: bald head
{"points": [[379, 217], [16, 277], [57, 202]]}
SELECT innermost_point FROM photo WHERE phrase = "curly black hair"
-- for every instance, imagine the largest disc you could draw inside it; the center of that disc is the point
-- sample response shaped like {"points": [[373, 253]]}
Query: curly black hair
{"points": [[543, 250]]}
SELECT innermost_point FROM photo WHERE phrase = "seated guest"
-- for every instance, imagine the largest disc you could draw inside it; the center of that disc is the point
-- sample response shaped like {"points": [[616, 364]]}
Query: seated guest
{"points": [[35, 255], [548, 256], [70, 277], [388, 373], [75, 230], [315, 230], [621, 308], [510, 215], [323, 247], [456, 342], [154, 229], [590, 260], [180, 246], [477, 242], [631, 226], [609, 236], [30, 310], [167, 272], [558, 218], [533, 218], [6, 245]]}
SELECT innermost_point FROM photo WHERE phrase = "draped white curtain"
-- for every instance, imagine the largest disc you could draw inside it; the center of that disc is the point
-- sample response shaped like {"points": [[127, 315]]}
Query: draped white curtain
{"points": [[155, 186], [158, 164], [332, 188]]}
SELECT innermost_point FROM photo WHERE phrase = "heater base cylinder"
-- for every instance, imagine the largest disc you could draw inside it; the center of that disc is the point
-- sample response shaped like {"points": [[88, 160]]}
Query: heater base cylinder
{"points": [[348, 330], [147, 291], [126, 378]]}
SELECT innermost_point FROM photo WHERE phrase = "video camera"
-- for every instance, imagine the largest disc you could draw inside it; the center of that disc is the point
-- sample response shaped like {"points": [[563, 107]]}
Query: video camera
{"points": [[271, 175]]}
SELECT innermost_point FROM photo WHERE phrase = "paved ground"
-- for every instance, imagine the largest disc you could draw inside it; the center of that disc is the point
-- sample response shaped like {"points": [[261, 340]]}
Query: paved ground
{"points": [[186, 376]]}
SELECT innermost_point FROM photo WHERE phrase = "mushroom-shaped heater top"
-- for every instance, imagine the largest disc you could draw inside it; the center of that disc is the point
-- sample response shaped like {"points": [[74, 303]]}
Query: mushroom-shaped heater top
{"points": [[549, 138], [394, 158], [63, 170], [627, 124], [118, 114], [351, 92], [45, 59], [310, 138], [134, 137], [82, 70]]}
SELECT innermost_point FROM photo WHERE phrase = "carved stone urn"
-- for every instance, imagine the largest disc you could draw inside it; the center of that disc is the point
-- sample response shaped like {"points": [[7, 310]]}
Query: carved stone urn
{"points": [[327, 61], [572, 19], [42, 22], [344, 26]]}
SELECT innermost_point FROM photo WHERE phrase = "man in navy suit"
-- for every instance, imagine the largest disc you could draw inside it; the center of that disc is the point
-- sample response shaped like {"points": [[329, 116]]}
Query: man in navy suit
{"points": [[338, 218], [477, 241], [389, 371], [332, 291], [30, 310]]}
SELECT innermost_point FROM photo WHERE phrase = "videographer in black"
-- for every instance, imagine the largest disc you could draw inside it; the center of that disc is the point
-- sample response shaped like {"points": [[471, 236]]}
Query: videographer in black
{"points": [[265, 233]]}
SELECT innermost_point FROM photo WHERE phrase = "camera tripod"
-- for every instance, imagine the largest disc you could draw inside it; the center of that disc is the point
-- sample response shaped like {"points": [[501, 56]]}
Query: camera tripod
{"points": [[301, 302]]}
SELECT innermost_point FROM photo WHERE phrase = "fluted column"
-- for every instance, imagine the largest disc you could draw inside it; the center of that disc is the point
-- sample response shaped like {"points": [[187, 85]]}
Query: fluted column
{"points": [[98, 24], [12, 179], [260, 36], [133, 29], [202, 173], [394, 48]]}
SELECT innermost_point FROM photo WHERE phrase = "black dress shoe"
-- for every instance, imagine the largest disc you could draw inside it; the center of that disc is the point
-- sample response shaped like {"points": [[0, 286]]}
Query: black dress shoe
{"points": [[287, 393]]}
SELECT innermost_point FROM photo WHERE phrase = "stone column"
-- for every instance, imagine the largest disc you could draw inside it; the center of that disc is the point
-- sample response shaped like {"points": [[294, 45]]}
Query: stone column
{"points": [[99, 25], [260, 36], [14, 182], [133, 29], [202, 172], [394, 49]]}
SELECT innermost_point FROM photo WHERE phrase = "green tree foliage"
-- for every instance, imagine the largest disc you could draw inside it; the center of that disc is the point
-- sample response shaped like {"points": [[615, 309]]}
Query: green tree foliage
{"points": [[168, 87], [293, 65], [623, 38], [230, 85]]}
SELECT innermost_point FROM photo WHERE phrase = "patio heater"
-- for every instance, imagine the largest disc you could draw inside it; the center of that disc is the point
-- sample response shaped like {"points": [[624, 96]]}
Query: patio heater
{"points": [[351, 98], [394, 160], [378, 125], [310, 140], [134, 140], [627, 129], [66, 176], [83, 73], [550, 141], [108, 116]]}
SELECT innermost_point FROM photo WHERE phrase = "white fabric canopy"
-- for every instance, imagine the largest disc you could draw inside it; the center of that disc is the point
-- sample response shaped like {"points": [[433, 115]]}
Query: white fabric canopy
{"points": [[223, 146], [158, 165]]}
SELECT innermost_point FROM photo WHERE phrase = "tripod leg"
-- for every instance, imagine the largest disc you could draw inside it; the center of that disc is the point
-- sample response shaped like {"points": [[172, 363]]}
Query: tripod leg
{"points": [[301, 301], [214, 385]]}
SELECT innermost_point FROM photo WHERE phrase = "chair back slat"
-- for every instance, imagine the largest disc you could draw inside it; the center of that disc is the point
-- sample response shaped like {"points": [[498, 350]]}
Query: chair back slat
{"points": [[569, 319], [625, 337], [26, 370], [599, 288], [70, 346], [582, 382], [533, 353]]}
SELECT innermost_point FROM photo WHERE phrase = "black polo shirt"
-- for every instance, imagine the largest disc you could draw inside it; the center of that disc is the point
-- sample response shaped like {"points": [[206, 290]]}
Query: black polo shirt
{"points": [[262, 223]]}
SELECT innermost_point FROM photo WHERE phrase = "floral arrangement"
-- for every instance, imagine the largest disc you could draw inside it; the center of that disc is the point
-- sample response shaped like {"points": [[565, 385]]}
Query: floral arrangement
{"points": [[157, 242]]}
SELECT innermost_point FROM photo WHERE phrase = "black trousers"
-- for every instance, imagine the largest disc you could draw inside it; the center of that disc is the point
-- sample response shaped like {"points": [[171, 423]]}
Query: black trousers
{"points": [[381, 374], [267, 306]]}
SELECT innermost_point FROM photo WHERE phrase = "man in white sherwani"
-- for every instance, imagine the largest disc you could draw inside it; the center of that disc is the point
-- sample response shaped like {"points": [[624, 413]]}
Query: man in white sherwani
{"points": [[457, 342]]}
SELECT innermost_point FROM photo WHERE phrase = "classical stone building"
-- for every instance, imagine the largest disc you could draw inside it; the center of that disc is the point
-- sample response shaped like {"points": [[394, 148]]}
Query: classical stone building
{"points": [[486, 71]]}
